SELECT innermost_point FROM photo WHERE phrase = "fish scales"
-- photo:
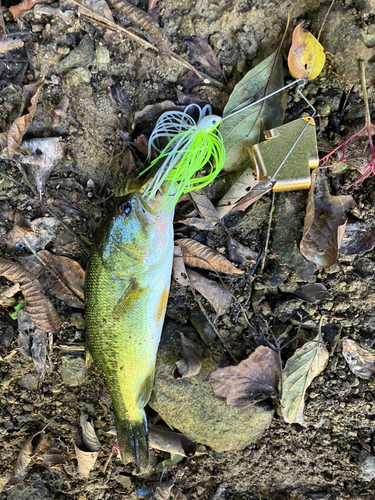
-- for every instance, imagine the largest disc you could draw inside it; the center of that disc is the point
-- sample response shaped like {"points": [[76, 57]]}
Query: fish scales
{"points": [[127, 288]]}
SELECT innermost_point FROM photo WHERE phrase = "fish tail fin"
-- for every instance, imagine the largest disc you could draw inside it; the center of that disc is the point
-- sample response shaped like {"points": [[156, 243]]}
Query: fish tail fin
{"points": [[132, 439]]}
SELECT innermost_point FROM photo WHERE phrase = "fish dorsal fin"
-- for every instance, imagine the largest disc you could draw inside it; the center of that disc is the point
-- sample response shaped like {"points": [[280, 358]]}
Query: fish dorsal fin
{"points": [[129, 185], [132, 293]]}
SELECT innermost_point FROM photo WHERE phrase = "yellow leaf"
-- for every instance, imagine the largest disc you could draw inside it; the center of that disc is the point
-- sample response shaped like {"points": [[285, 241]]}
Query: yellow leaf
{"points": [[306, 55]]}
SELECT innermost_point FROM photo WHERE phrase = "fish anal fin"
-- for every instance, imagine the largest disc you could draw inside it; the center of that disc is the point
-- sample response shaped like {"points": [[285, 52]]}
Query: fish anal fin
{"points": [[146, 389], [129, 298]]}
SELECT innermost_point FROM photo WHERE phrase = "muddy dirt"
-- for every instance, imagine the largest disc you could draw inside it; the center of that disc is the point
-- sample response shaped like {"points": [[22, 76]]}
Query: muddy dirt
{"points": [[108, 78]]}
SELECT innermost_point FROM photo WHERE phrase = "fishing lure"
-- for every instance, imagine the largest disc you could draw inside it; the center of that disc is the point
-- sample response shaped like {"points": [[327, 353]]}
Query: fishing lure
{"points": [[191, 145]]}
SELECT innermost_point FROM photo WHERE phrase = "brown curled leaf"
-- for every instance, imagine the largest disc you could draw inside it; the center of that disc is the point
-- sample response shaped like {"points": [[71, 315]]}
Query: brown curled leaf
{"points": [[20, 125], [254, 379], [361, 362], [197, 255], [59, 112], [34, 448], [191, 362], [215, 293], [53, 457], [205, 208], [90, 438], [324, 223], [86, 459], [144, 20], [179, 269], [42, 312], [25, 6], [172, 442]]}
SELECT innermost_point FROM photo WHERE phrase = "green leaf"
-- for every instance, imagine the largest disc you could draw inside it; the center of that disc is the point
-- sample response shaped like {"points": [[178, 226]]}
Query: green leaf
{"points": [[245, 128], [17, 309], [305, 364]]}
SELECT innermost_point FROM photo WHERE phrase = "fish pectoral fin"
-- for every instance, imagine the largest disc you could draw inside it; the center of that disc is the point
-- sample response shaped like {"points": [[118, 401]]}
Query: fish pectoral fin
{"points": [[129, 298], [146, 389]]}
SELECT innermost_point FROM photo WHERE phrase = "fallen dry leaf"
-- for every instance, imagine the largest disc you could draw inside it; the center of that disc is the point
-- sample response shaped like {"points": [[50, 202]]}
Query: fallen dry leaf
{"points": [[25, 6], [34, 448], [306, 55], [360, 361], [179, 269], [239, 253], [177, 494], [324, 216], [160, 491], [172, 442], [38, 306], [87, 449], [32, 342], [203, 56], [61, 276], [254, 379], [148, 116], [240, 188], [141, 145], [197, 255], [59, 111], [205, 208], [11, 43], [20, 125], [300, 370], [98, 6], [312, 292], [53, 457], [128, 164], [7, 296], [196, 223], [35, 235], [89, 436], [215, 293], [42, 155], [358, 239], [67, 16], [191, 362]]}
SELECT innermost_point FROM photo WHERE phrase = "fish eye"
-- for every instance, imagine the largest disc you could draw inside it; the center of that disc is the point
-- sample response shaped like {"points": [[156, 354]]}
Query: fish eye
{"points": [[214, 122], [125, 208]]}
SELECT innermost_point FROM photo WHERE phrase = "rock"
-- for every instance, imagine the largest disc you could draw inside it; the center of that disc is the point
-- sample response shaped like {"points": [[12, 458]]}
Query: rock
{"points": [[72, 368], [345, 40], [367, 465], [102, 57], [78, 82], [29, 381], [290, 206], [81, 57], [34, 491], [189, 405], [78, 321]]}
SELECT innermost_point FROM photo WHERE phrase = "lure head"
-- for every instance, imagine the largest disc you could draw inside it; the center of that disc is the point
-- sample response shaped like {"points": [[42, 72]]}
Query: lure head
{"points": [[210, 122]]}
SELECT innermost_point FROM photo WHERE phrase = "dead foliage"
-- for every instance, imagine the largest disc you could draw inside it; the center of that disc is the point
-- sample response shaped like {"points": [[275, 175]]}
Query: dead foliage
{"points": [[20, 125], [215, 293], [313, 292], [87, 449], [358, 239], [203, 56], [169, 441], [179, 269], [40, 158], [191, 362], [32, 450], [360, 361], [254, 379], [61, 276], [25, 6], [10, 44], [324, 223], [32, 342], [205, 208], [59, 112], [306, 363], [42, 312], [197, 255]]}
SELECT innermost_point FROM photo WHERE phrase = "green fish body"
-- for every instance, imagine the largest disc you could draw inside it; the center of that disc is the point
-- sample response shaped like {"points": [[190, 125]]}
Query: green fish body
{"points": [[126, 292]]}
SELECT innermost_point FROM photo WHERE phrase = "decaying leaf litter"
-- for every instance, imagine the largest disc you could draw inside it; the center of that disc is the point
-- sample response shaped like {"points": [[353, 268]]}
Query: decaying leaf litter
{"points": [[75, 207]]}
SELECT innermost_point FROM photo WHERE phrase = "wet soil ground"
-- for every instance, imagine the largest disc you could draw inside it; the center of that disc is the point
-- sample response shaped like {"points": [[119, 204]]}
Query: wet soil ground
{"points": [[106, 84]]}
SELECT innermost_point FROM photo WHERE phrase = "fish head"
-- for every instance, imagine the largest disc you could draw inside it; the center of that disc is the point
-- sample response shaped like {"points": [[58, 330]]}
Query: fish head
{"points": [[136, 232]]}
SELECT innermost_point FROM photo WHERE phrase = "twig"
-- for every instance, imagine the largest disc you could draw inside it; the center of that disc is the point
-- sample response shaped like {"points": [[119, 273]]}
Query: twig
{"points": [[268, 232], [212, 325]]}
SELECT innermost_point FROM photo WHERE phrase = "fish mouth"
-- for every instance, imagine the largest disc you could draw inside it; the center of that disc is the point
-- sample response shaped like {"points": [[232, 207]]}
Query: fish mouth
{"points": [[145, 211]]}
